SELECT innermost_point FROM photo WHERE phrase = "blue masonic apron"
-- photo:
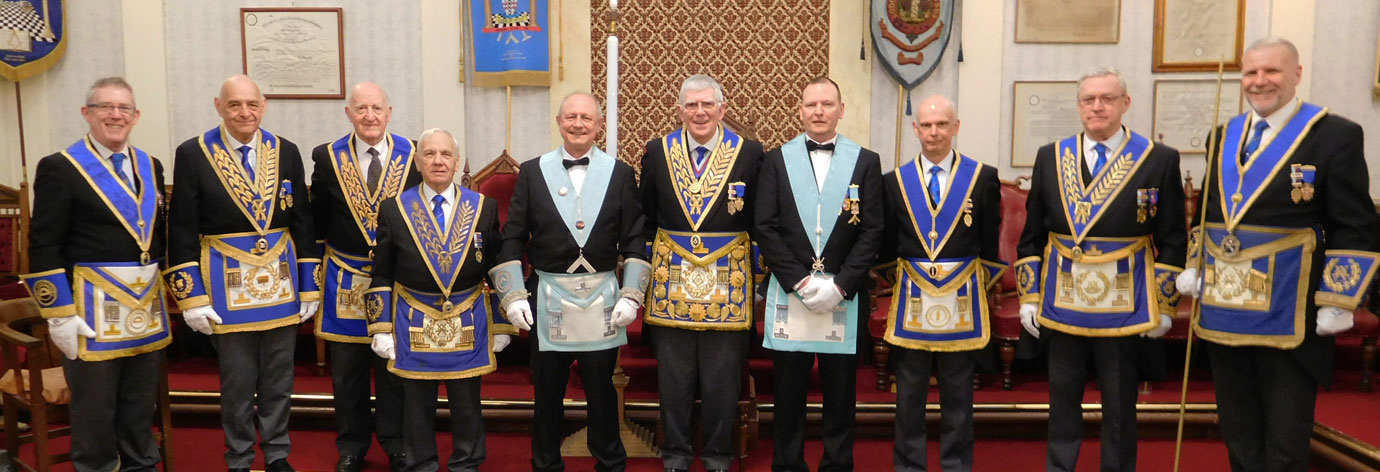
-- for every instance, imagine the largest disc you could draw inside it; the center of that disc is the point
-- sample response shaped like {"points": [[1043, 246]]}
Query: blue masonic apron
{"points": [[790, 324], [574, 310]]}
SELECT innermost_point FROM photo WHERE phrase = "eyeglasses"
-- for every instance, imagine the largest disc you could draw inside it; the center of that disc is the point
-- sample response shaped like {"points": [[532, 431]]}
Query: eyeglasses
{"points": [[696, 106], [106, 108], [1105, 99]]}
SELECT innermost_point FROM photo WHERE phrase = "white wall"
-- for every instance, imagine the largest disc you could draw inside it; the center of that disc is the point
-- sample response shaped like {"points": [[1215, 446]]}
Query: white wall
{"points": [[1344, 84]]}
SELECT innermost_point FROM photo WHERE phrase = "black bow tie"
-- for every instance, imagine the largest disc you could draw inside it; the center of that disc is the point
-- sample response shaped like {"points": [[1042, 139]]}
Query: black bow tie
{"points": [[583, 161], [811, 146]]}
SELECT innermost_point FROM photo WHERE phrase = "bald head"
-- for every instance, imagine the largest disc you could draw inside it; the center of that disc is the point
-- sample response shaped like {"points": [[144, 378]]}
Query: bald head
{"points": [[241, 107], [936, 124], [369, 111]]}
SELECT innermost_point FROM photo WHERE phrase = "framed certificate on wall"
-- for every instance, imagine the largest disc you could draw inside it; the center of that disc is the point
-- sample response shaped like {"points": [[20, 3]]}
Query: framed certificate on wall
{"points": [[1068, 21], [1184, 111], [1193, 35], [1042, 113], [294, 52]]}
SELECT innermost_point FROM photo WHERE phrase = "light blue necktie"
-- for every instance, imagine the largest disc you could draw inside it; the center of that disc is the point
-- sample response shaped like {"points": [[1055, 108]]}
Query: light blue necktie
{"points": [[244, 159], [1101, 158], [436, 211], [118, 161], [934, 185], [1254, 143]]}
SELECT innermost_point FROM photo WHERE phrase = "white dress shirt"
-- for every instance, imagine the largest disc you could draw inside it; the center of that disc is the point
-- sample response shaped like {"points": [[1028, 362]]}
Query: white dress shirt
{"points": [[1090, 152], [127, 166], [362, 153], [448, 195], [944, 167], [234, 149], [820, 159], [1277, 120], [577, 173], [690, 141]]}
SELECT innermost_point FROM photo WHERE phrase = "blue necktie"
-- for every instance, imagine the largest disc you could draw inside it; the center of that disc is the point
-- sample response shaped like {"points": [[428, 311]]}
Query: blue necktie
{"points": [[934, 185], [699, 155], [118, 161], [1254, 143], [436, 211], [244, 159], [1101, 158]]}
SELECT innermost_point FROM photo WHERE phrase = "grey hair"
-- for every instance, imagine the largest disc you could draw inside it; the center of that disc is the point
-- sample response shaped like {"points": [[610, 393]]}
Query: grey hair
{"points": [[106, 83], [699, 82], [1271, 41], [350, 97], [1104, 72], [454, 145], [598, 105]]}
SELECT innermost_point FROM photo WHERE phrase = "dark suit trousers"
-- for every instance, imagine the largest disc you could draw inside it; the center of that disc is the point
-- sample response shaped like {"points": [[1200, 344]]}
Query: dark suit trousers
{"points": [[838, 378], [255, 370], [550, 373], [955, 371], [466, 424], [709, 363], [1114, 360], [112, 412], [1265, 402], [354, 421]]}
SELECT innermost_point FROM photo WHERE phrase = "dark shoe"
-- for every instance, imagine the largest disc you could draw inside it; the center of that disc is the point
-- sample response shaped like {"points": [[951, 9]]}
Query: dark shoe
{"points": [[397, 462], [280, 465], [349, 464]]}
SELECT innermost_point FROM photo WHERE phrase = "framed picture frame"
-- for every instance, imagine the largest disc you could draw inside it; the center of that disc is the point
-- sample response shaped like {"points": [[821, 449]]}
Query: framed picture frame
{"points": [[1068, 21], [1042, 112], [1193, 38], [294, 52], [1184, 110], [1375, 92]]}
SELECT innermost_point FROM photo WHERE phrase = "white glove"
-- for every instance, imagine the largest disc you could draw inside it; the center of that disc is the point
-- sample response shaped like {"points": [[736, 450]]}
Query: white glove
{"points": [[1165, 324], [383, 346], [1333, 320], [519, 313], [201, 318], [64, 332], [808, 287], [1028, 320], [308, 310], [1188, 283], [624, 312], [501, 341], [826, 297]]}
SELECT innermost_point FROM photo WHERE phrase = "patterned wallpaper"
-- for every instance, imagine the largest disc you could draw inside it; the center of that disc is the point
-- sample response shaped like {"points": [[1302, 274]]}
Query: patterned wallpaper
{"points": [[762, 51]]}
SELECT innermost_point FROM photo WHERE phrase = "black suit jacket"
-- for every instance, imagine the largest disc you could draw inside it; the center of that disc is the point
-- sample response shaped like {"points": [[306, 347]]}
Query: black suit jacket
{"points": [[1045, 214], [662, 205], [333, 222], [71, 223], [200, 204], [397, 257], [1341, 207], [787, 246], [536, 226]]}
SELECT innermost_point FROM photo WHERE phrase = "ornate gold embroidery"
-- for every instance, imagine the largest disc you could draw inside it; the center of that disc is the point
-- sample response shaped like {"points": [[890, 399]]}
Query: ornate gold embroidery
{"points": [[255, 198], [363, 205], [181, 285], [1341, 278], [373, 307], [1092, 291], [45, 293], [693, 191]]}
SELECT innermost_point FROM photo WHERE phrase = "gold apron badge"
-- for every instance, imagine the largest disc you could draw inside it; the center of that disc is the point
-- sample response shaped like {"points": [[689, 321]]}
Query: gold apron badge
{"points": [[285, 195], [736, 192], [1147, 203], [968, 213], [853, 204], [1301, 178]]}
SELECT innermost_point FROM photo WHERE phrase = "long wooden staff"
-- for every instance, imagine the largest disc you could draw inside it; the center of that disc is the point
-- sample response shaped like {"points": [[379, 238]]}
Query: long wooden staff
{"points": [[1214, 142]]}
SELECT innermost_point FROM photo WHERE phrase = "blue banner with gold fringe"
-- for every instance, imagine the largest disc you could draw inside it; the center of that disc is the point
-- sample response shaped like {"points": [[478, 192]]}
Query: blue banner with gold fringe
{"points": [[510, 42], [32, 37]]}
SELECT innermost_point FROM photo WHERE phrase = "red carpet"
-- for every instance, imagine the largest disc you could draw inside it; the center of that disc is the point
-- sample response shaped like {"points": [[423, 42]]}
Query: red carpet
{"points": [[200, 449]]}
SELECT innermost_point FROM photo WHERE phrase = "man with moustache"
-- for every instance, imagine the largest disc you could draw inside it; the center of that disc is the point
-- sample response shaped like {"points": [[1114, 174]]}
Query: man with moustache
{"points": [[351, 176], [1102, 244], [95, 245], [943, 214], [575, 210], [429, 309], [819, 225], [240, 204], [696, 192], [1288, 213]]}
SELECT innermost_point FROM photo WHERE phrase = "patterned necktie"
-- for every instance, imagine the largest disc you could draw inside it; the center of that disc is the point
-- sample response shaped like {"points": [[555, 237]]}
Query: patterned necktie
{"points": [[436, 211], [375, 170], [1101, 158], [117, 160], [244, 158], [1254, 143], [933, 186]]}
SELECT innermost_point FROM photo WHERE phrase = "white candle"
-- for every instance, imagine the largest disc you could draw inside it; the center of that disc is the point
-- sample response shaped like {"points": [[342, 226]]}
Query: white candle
{"points": [[613, 5], [611, 102]]}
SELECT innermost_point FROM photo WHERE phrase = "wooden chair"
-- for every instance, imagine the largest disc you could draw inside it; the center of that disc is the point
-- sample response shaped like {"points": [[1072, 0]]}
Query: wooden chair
{"points": [[14, 230], [36, 385]]}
